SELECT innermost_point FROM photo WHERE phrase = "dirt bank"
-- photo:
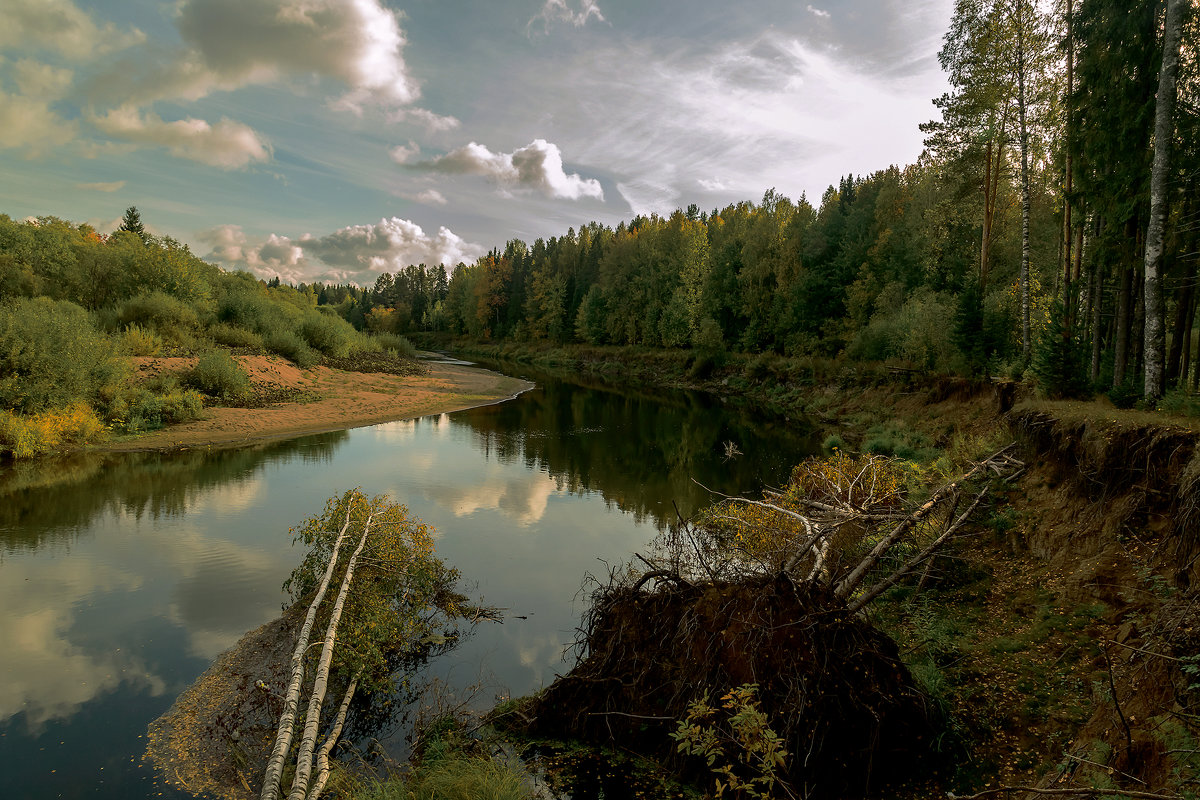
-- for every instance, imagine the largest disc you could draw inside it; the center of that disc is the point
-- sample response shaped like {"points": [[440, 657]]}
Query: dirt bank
{"points": [[333, 400]]}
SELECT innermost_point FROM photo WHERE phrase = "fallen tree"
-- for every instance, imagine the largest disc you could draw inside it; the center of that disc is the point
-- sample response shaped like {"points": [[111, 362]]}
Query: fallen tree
{"points": [[764, 598], [238, 732]]}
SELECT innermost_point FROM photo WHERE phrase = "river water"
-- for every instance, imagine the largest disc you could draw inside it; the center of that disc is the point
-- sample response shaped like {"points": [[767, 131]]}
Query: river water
{"points": [[123, 575]]}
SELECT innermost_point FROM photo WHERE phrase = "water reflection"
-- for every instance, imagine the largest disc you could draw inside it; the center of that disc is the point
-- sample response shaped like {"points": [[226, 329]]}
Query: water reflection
{"points": [[57, 497], [123, 575]]}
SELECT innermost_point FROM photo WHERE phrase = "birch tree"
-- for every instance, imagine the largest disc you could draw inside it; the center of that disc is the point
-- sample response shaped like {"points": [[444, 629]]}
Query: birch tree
{"points": [[1164, 133]]}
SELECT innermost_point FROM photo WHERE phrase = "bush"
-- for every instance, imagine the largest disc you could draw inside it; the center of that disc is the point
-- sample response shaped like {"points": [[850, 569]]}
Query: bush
{"points": [[51, 356], [26, 436], [227, 335], [292, 347], [172, 318], [218, 375], [139, 341], [147, 410], [397, 344], [333, 336], [1180, 402]]}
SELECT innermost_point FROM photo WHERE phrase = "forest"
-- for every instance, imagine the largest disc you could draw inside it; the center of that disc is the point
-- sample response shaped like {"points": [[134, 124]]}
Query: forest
{"points": [[1028, 239]]}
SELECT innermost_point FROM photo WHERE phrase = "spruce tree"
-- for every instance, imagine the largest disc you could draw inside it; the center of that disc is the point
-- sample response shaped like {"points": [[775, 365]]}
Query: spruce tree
{"points": [[132, 222]]}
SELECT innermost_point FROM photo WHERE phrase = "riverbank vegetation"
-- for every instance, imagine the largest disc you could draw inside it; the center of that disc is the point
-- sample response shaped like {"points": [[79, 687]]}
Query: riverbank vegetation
{"points": [[76, 305], [1026, 241]]}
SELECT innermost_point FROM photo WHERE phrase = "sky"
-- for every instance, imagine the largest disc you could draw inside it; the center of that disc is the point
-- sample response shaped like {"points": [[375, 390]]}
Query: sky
{"points": [[339, 139]]}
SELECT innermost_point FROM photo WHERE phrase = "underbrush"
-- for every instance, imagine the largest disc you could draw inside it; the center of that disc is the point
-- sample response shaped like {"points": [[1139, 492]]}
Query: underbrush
{"points": [[24, 436], [217, 375]]}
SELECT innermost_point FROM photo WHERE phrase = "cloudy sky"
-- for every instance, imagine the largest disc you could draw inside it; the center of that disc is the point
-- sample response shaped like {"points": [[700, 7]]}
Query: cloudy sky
{"points": [[338, 139]]}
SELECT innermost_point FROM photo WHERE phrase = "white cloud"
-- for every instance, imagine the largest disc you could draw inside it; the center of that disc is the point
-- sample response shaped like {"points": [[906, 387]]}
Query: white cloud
{"points": [[356, 253], [434, 123], [357, 42], [432, 197], [403, 153], [561, 11], [30, 122], [36, 79], [818, 12], [538, 165], [109, 186], [712, 185], [59, 25], [648, 197], [228, 144]]}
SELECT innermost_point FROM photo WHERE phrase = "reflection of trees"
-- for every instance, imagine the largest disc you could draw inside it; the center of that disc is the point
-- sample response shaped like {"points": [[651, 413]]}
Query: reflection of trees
{"points": [[639, 450], [56, 498]]}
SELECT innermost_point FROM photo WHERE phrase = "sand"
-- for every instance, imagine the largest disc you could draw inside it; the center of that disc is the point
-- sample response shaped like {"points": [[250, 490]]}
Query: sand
{"points": [[341, 400]]}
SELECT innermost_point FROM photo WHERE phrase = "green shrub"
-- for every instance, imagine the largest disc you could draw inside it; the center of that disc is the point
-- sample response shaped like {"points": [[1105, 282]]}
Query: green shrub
{"points": [[139, 341], [218, 375], [170, 317], [292, 347], [228, 335], [51, 355], [397, 344], [333, 336], [1180, 402]]}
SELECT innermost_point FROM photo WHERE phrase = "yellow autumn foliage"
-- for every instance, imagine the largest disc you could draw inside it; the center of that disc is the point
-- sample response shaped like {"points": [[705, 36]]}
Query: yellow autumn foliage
{"points": [[27, 435]]}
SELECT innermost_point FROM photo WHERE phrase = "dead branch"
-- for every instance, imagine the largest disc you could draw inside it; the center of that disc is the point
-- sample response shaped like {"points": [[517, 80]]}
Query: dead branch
{"points": [[1079, 792], [908, 566], [851, 581]]}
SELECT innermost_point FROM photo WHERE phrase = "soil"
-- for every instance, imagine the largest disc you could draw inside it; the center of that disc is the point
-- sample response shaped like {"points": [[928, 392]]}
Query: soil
{"points": [[329, 399]]}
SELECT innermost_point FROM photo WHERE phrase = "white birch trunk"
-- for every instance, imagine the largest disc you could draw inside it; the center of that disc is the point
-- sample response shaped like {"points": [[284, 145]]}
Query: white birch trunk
{"points": [[1164, 132], [308, 741], [287, 720]]}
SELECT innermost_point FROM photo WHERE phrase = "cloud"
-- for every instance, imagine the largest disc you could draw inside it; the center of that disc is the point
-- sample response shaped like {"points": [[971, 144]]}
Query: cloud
{"points": [[402, 153], [356, 253], [818, 12], [357, 42], [538, 165], [110, 186], [648, 197], [434, 123], [432, 197], [35, 79], [30, 122], [559, 11], [712, 185], [59, 25], [228, 144]]}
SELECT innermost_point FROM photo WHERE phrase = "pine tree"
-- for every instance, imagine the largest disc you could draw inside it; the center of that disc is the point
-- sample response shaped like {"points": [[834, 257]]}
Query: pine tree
{"points": [[132, 222]]}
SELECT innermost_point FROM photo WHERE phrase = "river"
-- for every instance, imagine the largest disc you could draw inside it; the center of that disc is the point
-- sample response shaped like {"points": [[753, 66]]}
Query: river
{"points": [[123, 575]]}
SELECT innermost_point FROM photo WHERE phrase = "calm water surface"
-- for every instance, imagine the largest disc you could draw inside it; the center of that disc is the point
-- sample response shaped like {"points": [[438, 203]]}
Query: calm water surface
{"points": [[123, 575]]}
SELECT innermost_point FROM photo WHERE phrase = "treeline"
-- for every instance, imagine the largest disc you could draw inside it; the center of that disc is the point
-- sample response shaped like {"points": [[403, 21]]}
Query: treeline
{"points": [[76, 304], [1016, 244]]}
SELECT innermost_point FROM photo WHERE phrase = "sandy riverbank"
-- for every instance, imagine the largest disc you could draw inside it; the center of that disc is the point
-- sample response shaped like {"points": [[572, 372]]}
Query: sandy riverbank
{"points": [[340, 400]]}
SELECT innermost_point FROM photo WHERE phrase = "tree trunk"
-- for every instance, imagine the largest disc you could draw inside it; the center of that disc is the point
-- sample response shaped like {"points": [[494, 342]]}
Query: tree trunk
{"points": [[287, 720], [331, 740], [1024, 141], [308, 741], [1121, 342], [1187, 342], [1164, 132], [1068, 185], [1176, 360]]}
